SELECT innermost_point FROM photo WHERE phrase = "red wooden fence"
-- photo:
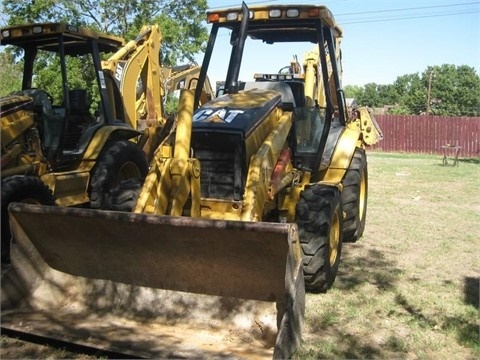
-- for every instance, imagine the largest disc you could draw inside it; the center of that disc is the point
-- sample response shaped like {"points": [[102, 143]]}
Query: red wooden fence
{"points": [[427, 134]]}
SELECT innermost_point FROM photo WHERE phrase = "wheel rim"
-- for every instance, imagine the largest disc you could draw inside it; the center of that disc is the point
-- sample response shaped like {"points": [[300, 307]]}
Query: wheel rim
{"points": [[334, 240], [362, 197], [128, 170]]}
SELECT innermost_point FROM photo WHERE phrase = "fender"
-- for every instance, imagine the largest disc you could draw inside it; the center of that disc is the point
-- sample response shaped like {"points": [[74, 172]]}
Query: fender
{"points": [[70, 187], [342, 156], [104, 134]]}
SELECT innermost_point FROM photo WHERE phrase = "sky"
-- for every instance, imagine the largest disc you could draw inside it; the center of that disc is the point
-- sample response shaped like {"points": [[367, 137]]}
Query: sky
{"points": [[382, 39]]}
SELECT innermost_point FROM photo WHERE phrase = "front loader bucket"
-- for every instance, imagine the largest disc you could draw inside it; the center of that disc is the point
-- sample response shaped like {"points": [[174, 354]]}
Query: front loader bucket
{"points": [[154, 286]]}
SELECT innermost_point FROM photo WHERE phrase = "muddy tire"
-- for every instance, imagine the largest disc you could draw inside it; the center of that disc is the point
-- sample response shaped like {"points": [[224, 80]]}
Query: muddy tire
{"points": [[319, 220], [124, 196], [354, 197], [19, 188], [119, 161]]}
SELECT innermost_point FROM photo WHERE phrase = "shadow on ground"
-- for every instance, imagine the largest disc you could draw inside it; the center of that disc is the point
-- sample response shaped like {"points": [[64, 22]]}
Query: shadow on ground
{"points": [[472, 291], [334, 330]]}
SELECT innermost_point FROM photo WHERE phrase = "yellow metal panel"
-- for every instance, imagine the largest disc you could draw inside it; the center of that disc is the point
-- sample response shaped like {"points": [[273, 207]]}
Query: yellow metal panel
{"points": [[68, 188], [261, 167], [342, 155], [14, 125]]}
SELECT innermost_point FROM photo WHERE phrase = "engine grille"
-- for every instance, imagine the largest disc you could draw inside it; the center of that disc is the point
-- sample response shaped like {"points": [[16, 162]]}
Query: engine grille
{"points": [[222, 171]]}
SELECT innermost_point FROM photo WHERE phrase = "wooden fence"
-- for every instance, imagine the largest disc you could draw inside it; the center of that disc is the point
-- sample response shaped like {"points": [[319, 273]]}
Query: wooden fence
{"points": [[427, 134]]}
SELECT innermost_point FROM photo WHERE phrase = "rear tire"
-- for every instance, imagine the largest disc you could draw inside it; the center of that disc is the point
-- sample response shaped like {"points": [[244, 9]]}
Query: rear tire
{"points": [[354, 197], [19, 188], [119, 161], [319, 220]]}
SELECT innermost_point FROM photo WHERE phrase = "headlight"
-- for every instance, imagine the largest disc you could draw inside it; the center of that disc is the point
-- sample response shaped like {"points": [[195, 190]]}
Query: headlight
{"points": [[232, 16], [293, 13], [37, 30], [275, 13]]}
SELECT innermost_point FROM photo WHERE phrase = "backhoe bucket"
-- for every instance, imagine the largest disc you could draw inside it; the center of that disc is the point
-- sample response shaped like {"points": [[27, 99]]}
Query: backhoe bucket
{"points": [[154, 286]]}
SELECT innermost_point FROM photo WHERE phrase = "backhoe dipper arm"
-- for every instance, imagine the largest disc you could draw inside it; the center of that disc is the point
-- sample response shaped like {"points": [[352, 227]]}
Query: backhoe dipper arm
{"points": [[136, 71]]}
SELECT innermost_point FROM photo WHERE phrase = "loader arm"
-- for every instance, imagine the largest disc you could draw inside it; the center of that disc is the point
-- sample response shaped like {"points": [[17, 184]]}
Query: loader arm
{"points": [[173, 175]]}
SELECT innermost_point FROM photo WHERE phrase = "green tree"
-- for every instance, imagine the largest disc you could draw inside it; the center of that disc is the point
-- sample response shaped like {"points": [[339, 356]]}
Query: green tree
{"points": [[181, 21], [388, 95], [353, 91], [454, 90], [10, 73], [441, 90], [411, 92], [370, 96]]}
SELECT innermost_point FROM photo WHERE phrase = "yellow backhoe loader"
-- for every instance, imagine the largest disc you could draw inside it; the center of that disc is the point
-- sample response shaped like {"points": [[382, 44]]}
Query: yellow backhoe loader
{"points": [[243, 208], [186, 77]]}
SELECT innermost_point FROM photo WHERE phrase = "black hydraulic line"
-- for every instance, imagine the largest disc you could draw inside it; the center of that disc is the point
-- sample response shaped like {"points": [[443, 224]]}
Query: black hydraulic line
{"points": [[336, 78], [205, 63], [231, 84], [324, 65]]}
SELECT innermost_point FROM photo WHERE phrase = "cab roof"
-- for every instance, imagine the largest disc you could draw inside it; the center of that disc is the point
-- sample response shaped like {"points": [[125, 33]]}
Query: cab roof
{"points": [[46, 36], [278, 23]]}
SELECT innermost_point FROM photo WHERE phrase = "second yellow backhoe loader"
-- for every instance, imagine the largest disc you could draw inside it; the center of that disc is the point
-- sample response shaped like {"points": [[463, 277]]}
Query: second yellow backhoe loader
{"points": [[186, 77], [60, 150], [243, 208]]}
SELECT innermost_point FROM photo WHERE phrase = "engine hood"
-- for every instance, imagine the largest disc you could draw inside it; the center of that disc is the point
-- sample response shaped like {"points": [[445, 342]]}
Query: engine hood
{"points": [[10, 104], [241, 112]]}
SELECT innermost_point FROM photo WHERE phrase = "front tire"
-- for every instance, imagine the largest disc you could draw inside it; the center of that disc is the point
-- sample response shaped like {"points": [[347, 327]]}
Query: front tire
{"points": [[319, 220], [119, 161], [354, 197], [19, 188], [124, 196]]}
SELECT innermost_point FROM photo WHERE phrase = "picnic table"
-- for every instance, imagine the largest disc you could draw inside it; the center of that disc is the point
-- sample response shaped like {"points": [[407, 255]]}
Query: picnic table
{"points": [[453, 151]]}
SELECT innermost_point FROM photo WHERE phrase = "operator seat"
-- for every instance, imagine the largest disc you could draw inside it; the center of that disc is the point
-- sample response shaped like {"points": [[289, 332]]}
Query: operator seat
{"points": [[79, 102], [79, 117], [50, 123]]}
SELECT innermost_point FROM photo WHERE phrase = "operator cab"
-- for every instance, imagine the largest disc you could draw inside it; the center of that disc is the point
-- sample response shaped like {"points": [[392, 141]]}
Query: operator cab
{"points": [[313, 100], [63, 108]]}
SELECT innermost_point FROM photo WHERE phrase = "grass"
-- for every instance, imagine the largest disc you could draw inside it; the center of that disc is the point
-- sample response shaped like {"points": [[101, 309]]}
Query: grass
{"points": [[409, 287]]}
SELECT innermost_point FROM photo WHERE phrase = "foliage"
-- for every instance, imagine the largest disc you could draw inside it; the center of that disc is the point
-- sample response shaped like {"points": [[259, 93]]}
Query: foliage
{"points": [[184, 34], [181, 24], [10, 73], [454, 91], [171, 104], [353, 91]]}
